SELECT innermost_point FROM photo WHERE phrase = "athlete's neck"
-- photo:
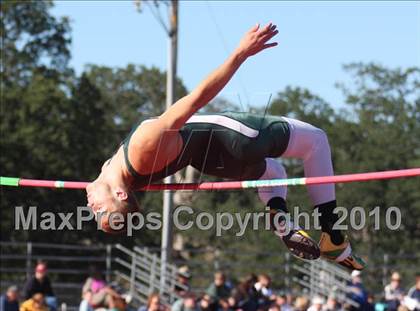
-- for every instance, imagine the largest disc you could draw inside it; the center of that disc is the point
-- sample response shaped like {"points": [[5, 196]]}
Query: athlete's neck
{"points": [[116, 174]]}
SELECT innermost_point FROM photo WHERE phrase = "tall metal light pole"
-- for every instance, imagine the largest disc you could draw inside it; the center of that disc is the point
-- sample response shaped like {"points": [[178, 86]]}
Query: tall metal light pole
{"points": [[166, 244]]}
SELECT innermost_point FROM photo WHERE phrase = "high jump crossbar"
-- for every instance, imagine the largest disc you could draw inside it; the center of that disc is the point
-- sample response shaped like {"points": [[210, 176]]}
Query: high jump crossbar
{"points": [[224, 185]]}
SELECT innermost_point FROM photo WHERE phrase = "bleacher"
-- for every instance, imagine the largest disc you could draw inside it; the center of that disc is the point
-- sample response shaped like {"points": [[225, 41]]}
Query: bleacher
{"points": [[138, 272]]}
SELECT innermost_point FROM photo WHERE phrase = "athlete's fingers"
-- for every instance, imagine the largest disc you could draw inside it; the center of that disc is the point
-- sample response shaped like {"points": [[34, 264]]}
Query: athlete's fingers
{"points": [[254, 28], [271, 31], [268, 28], [269, 45], [264, 30], [268, 36]]}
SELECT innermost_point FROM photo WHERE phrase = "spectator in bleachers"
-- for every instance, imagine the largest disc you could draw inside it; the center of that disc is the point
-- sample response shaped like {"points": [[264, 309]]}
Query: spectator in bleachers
{"points": [[206, 303], [370, 305], [301, 304], [183, 279], [281, 301], [274, 307], [9, 301], [187, 303], [289, 301], [317, 304], [153, 303], [232, 302], [412, 300], [225, 305], [35, 303], [245, 294], [357, 291], [40, 283], [219, 288], [263, 285], [394, 293], [332, 304], [98, 294], [264, 292]]}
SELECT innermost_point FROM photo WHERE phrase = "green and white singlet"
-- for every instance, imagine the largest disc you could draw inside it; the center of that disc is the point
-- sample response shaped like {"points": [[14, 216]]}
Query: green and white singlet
{"points": [[229, 145]]}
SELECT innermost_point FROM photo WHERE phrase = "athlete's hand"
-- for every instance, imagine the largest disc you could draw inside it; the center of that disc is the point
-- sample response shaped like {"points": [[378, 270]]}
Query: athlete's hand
{"points": [[256, 40]]}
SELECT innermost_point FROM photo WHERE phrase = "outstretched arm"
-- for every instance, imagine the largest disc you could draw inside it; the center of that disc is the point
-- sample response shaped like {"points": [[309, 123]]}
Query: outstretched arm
{"points": [[150, 134], [254, 41]]}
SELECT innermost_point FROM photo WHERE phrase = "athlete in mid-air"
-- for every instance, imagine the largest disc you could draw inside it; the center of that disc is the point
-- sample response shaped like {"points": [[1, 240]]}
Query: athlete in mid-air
{"points": [[230, 145]]}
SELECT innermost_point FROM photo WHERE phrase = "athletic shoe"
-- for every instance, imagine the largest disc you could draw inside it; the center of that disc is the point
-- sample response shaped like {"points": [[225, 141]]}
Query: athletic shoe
{"points": [[342, 254], [299, 243]]}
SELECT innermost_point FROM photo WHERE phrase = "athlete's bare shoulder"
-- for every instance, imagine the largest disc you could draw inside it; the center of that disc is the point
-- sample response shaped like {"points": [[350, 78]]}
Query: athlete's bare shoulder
{"points": [[152, 145]]}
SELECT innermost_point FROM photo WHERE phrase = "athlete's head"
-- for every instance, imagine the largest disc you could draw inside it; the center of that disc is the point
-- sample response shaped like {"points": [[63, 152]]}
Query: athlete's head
{"points": [[111, 205]]}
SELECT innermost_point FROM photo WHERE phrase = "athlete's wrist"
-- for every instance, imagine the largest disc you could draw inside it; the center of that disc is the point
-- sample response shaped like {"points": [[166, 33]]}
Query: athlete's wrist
{"points": [[239, 55]]}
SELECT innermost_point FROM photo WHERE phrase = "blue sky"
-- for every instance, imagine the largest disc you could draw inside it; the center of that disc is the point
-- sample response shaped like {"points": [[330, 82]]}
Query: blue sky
{"points": [[315, 39]]}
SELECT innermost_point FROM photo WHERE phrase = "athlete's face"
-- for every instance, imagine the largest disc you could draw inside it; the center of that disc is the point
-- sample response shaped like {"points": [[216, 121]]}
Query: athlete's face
{"points": [[99, 195], [106, 202], [103, 202]]}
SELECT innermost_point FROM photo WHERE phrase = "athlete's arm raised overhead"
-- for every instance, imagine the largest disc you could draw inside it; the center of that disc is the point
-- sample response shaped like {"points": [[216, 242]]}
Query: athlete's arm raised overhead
{"points": [[163, 131], [254, 41]]}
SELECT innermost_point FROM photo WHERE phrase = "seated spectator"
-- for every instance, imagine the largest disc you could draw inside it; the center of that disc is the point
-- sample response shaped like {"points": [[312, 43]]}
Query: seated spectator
{"points": [[332, 304], [40, 283], [183, 286], [206, 303], [153, 303], [317, 304], [224, 305], [264, 292], [9, 301], [218, 289], [98, 294], [35, 303], [370, 305], [231, 302], [394, 293], [281, 301], [301, 304], [263, 285], [356, 290], [412, 300], [274, 307], [290, 299], [187, 303], [245, 294]]}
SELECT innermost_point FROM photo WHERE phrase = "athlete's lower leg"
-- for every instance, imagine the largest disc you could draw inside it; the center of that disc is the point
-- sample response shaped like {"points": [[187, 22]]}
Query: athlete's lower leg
{"points": [[296, 240], [310, 144]]}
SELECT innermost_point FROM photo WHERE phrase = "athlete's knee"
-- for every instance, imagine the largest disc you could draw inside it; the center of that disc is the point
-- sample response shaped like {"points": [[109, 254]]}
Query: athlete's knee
{"points": [[319, 134], [324, 142], [320, 140]]}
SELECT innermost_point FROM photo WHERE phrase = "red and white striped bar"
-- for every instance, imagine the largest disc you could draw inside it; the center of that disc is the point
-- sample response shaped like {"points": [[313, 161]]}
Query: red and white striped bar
{"points": [[225, 185]]}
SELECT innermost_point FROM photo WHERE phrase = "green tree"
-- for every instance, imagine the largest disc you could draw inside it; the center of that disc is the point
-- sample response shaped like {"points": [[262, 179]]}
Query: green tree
{"points": [[35, 51], [32, 40], [382, 133]]}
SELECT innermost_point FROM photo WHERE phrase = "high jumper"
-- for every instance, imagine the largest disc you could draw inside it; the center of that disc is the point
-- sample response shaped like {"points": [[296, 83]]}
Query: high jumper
{"points": [[232, 145]]}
